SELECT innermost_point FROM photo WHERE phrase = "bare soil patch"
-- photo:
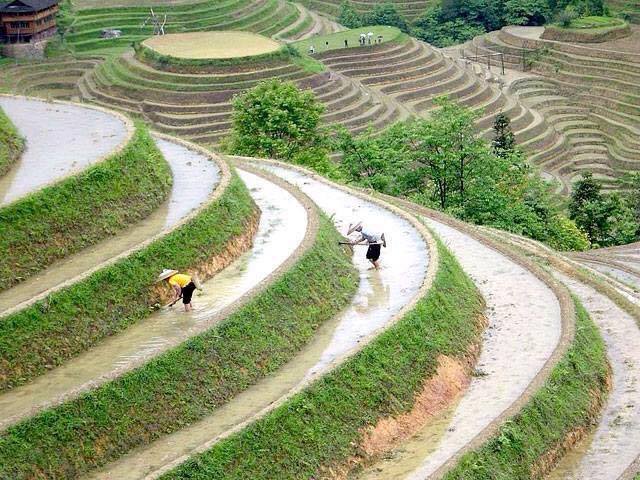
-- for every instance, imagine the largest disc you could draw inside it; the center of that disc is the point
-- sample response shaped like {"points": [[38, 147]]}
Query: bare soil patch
{"points": [[211, 45]]}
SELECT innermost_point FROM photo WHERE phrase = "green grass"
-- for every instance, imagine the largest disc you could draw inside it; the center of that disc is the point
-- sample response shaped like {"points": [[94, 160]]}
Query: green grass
{"points": [[72, 320], [570, 399], [186, 383], [84, 34], [594, 23], [71, 215], [336, 40], [11, 143], [322, 425]]}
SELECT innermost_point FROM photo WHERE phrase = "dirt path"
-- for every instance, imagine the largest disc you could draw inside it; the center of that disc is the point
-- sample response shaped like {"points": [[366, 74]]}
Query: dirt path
{"points": [[616, 442], [524, 329], [195, 177], [282, 228], [381, 296], [61, 139]]}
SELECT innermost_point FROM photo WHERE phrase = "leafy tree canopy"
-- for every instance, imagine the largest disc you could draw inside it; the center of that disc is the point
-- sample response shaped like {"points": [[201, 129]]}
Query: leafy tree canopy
{"points": [[440, 162], [275, 119]]}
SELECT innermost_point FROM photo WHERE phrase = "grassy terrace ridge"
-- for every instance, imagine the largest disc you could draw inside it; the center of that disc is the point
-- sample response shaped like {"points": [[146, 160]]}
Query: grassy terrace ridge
{"points": [[588, 30], [190, 381], [322, 425], [11, 144], [593, 23], [266, 17], [336, 40], [73, 319], [70, 215], [569, 401], [186, 65]]}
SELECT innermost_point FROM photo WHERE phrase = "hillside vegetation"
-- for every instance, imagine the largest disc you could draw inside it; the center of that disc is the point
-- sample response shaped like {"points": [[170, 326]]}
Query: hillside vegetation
{"points": [[11, 144]]}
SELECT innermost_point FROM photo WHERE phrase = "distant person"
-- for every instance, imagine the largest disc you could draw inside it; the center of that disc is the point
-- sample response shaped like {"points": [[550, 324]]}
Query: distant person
{"points": [[379, 38], [326, 44], [312, 50], [369, 37], [363, 38], [374, 241], [346, 43], [183, 287]]}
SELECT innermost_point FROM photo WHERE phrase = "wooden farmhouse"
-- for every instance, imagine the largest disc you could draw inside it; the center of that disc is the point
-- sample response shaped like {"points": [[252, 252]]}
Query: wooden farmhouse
{"points": [[25, 21]]}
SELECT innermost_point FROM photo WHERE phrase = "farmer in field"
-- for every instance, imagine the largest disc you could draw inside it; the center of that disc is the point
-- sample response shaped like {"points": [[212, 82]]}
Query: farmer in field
{"points": [[374, 241], [183, 286]]}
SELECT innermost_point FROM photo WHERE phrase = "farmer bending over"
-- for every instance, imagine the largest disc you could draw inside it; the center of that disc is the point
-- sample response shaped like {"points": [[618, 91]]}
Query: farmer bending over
{"points": [[374, 241], [182, 285]]}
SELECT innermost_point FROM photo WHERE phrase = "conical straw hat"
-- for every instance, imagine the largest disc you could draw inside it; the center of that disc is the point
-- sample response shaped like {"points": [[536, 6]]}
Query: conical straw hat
{"points": [[353, 228], [166, 273]]}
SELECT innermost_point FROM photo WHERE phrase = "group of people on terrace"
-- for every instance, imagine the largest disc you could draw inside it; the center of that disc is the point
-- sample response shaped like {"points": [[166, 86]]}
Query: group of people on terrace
{"points": [[364, 39]]}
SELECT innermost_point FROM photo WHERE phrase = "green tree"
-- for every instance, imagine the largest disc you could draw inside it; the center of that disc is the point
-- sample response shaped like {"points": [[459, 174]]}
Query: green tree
{"points": [[606, 218], [504, 142], [348, 16], [275, 119], [526, 12], [441, 163], [433, 29], [386, 14]]}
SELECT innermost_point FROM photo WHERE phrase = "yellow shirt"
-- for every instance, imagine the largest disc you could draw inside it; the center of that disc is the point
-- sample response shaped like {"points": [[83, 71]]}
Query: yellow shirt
{"points": [[180, 279]]}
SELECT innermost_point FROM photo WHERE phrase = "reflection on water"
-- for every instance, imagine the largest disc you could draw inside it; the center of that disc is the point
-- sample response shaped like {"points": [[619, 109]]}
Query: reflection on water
{"points": [[282, 227], [60, 139]]}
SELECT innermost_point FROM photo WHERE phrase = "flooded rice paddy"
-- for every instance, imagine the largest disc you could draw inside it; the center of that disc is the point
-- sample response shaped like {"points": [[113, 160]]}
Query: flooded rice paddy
{"points": [[381, 294], [195, 177], [615, 444], [523, 331], [61, 139], [282, 227]]}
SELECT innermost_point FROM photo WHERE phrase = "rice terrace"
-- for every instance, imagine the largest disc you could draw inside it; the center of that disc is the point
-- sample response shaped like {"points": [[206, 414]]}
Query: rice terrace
{"points": [[320, 239]]}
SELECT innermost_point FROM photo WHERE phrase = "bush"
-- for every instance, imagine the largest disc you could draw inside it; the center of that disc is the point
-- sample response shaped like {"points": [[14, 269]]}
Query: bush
{"points": [[565, 17]]}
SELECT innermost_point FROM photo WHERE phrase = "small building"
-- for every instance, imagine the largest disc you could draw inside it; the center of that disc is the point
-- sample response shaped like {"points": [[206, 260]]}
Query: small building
{"points": [[27, 21]]}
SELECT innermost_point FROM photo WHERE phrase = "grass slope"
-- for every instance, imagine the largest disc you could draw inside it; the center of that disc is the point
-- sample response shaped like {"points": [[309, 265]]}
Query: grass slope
{"points": [[570, 400], [323, 425], [336, 40], [11, 144], [186, 383], [70, 321], [72, 214]]}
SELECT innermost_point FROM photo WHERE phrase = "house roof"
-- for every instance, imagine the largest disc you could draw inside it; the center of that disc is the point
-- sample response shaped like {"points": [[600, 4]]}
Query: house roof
{"points": [[26, 5]]}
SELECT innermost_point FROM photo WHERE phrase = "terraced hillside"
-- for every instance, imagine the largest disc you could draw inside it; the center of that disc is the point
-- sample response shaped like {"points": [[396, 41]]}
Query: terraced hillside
{"points": [[198, 106], [290, 367], [273, 18], [410, 9], [413, 74], [591, 95]]}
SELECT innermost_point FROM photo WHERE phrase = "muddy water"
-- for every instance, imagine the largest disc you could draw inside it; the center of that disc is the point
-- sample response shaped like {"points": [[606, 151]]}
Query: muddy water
{"points": [[409, 456], [282, 227], [404, 263], [194, 179], [380, 295], [524, 329], [616, 441], [61, 140]]}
